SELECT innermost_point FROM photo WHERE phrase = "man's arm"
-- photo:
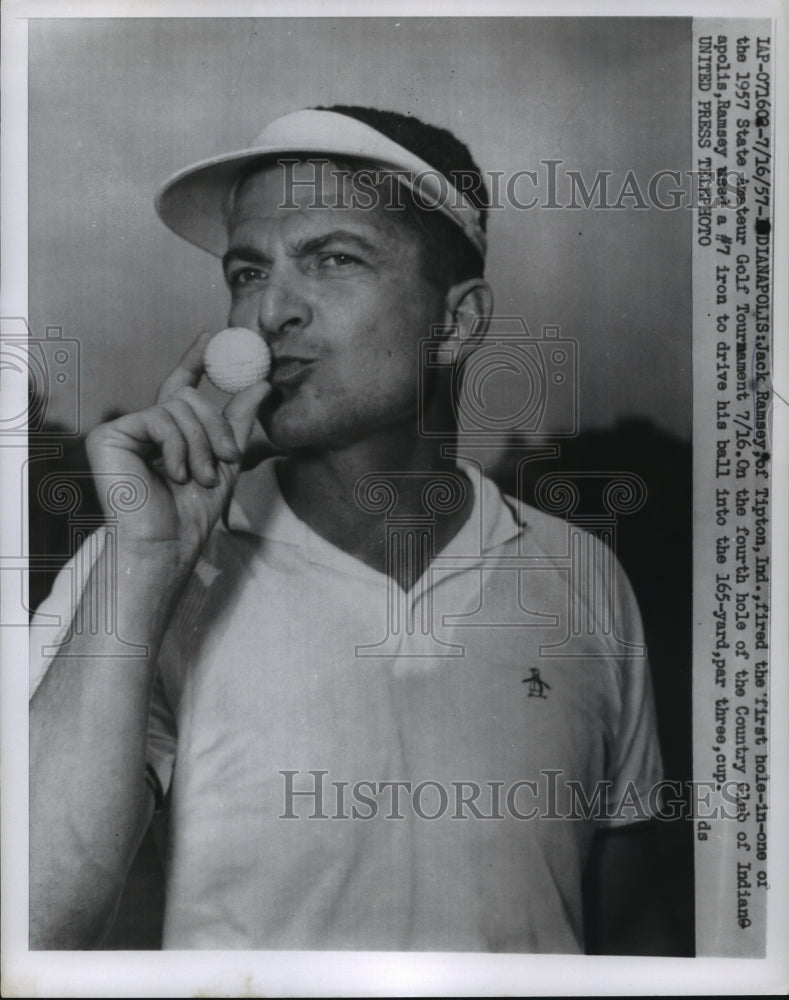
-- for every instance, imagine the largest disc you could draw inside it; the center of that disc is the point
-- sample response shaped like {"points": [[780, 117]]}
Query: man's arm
{"points": [[627, 907], [89, 716], [89, 804]]}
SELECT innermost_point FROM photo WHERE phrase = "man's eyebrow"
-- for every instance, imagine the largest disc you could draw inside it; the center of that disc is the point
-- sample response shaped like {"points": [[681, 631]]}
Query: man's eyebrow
{"points": [[249, 253], [347, 236], [303, 248]]}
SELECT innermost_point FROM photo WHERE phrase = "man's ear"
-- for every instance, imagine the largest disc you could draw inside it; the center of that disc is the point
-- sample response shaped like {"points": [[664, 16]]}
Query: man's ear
{"points": [[469, 306]]}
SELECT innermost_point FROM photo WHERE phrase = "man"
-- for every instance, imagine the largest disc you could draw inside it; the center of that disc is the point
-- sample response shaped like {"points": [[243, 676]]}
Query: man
{"points": [[330, 651]]}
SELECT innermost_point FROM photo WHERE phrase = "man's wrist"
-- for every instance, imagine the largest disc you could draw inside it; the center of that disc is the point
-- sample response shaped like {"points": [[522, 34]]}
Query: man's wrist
{"points": [[149, 584]]}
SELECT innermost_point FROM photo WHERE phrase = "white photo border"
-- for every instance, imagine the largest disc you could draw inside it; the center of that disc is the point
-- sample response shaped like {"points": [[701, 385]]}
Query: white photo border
{"points": [[27, 973]]}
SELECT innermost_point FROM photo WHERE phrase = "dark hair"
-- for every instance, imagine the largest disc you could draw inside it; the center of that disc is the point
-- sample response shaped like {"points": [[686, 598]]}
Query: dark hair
{"points": [[449, 257]]}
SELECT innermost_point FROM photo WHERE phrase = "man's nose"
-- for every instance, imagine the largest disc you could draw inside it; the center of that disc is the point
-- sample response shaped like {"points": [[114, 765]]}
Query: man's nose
{"points": [[281, 308]]}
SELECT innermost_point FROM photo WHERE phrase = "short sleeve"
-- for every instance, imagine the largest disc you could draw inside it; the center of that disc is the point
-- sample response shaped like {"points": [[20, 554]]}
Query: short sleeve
{"points": [[50, 627], [53, 619], [635, 764]]}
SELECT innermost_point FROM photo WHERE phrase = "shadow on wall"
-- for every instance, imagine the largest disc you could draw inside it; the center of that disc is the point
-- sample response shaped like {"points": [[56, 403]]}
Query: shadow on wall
{"points": [[654, 544]]}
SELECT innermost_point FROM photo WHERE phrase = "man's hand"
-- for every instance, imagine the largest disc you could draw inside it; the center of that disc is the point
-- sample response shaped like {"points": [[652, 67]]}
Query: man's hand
{"points": [[89, 716], [187, 453]]}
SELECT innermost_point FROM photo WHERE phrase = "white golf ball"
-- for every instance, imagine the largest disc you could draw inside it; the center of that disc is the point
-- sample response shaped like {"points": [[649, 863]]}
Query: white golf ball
{"points": [[236, 358]]}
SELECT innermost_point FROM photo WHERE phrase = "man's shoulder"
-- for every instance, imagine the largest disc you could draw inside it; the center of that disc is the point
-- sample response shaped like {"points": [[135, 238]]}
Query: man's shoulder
{"points": [[534, 521], [588, 557], [535, 531]]}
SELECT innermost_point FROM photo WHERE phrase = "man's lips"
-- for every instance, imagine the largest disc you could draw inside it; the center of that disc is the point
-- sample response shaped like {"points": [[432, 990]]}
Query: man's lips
{"points": [[288, 369]]}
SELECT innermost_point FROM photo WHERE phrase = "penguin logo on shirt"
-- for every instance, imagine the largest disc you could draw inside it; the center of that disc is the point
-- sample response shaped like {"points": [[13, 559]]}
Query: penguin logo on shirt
{"points": [[537, 686]]}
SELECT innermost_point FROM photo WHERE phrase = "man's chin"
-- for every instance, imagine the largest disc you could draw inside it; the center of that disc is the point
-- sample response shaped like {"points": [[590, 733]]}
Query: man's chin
{"points": [[309, 437], [291, 435]]}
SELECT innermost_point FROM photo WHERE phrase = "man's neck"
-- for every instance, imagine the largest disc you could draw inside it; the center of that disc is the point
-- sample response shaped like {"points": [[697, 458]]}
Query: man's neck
{"points": [[347, 495]]}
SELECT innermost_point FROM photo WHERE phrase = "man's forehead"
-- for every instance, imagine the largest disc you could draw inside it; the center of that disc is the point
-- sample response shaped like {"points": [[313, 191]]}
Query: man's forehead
{"points": [[293, 185], [308, 189]]}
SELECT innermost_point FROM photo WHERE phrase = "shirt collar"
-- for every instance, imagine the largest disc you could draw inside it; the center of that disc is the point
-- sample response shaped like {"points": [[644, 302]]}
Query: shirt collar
{"points": [[259, 508]]}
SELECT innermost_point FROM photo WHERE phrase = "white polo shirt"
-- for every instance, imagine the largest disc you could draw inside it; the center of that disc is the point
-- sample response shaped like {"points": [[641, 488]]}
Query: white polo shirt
{"points": [[434, 734]]}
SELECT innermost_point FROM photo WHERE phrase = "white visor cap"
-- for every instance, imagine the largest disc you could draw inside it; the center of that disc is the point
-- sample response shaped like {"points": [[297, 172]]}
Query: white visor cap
{"points": [[194, 202]]}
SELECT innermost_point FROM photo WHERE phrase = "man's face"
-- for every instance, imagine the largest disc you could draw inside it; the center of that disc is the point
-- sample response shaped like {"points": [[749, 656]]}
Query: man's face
{"points": [[340, 297]]}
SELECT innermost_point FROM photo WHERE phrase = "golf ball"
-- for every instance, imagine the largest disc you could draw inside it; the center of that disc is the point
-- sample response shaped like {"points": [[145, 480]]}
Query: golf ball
{"points": [[236, 358]]}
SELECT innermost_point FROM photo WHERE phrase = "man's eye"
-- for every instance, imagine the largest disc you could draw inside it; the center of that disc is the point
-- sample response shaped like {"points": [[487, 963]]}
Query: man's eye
{"points": [[332, 260], [244, 276]]}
